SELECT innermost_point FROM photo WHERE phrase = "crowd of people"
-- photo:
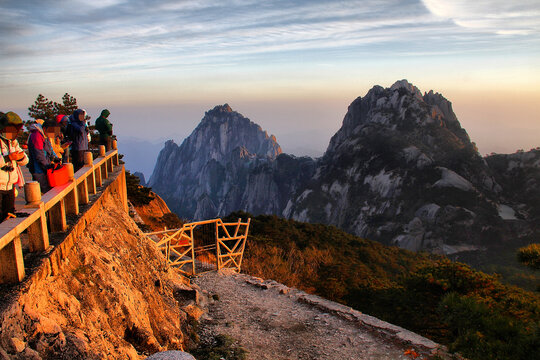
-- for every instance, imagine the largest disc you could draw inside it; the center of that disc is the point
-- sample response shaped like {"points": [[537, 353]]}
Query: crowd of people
{"points": [[50, 144]]}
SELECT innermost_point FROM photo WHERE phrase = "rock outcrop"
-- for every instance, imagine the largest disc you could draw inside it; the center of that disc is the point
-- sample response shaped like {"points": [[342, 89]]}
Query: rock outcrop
{"points": [[400, 170]]}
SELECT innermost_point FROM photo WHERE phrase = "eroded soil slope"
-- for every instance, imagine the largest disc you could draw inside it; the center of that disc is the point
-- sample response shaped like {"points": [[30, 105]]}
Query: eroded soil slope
{"points": [[114, 298]]}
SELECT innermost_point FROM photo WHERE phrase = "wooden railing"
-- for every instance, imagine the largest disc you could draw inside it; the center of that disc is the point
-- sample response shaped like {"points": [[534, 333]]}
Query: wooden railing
{"points": [[179, 245], [48, 213]]}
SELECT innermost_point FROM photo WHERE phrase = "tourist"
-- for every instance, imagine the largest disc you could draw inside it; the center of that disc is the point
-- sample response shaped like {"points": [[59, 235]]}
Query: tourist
{"points": [[104, 127], [12, 158], [65, 141], [78, 133], [53, 133], [42, 156]]}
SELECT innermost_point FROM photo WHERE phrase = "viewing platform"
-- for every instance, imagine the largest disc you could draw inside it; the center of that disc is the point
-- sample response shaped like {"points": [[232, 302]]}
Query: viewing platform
{"points": [[43, 222]]}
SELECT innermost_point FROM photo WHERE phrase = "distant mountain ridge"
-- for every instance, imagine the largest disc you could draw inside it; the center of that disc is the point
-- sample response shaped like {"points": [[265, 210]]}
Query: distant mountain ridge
{"points": [[400, 170]]}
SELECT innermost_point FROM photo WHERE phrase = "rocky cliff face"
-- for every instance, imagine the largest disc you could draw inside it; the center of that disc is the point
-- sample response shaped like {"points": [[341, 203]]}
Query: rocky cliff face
{"points": [[401, 170], [227, 163], [113, 298]]}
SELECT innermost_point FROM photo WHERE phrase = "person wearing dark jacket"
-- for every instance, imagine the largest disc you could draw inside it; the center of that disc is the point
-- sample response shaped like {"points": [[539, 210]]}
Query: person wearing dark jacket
{"points": [[42, 156], [104, 126], [78, 133]]}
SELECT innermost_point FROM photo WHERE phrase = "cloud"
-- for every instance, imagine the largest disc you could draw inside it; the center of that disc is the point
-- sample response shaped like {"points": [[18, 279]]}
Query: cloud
{"points": [[495, 16]]}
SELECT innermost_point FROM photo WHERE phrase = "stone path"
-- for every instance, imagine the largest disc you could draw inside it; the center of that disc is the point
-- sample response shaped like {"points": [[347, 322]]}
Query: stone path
{"points": [[272, 321]]}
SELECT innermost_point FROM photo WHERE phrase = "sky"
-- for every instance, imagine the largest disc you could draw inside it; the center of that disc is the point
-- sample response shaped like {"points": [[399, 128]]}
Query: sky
{"points": [[293, 67]]}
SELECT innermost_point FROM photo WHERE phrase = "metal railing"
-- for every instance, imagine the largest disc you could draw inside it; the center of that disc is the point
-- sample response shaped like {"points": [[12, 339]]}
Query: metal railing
{"points": [[48, 213], [182, 248]]}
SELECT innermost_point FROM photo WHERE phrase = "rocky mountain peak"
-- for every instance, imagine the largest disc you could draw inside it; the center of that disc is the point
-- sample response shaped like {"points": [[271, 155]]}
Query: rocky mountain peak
{"points": [[403, 111], [400, 170], [209, 169], [406, 85]]}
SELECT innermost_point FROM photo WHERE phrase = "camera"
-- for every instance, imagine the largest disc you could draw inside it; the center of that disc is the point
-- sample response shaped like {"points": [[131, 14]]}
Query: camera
{"points": [[8, 168]]}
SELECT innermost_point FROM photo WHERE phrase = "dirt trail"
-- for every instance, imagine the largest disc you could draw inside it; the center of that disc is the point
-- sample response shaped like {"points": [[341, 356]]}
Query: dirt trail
{"points": [[272, 321]]}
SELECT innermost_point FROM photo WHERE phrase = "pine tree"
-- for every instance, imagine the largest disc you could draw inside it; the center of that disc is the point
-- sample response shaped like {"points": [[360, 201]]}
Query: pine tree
{"points": [[43, 108], [68, 105]]}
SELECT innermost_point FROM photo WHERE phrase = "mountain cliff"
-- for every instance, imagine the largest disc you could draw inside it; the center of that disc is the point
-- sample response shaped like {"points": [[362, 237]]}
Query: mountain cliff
{"points": [[400, 170], [227, 163]]}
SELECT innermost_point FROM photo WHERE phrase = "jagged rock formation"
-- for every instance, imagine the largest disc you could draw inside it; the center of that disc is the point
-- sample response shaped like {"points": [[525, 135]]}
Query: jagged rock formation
{"points": [[227, 163], [401, 170], [519, 176]]}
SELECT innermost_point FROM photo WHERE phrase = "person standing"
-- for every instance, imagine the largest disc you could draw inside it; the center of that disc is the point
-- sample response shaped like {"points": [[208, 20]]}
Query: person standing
{"points": [[12, 157], [65, 141], [104, 126], [42, 156], [78, 133]]}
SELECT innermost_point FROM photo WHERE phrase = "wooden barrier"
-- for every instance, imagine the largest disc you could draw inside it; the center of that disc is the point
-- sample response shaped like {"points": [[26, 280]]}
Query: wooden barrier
{"points": [[178, 245], [48, 213]]}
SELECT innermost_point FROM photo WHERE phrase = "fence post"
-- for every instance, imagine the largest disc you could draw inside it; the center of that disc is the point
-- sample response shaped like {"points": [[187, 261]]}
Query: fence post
{"points": [[32, 193], [104, 170], [82, 192], [218, 250], [102, 150], [58, 217], [91, 180], [12, 262], [115, 157], [72, 199], [38, 236]]}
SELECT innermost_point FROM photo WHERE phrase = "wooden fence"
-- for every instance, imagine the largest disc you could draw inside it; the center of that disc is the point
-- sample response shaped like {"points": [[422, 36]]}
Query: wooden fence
{"points": [[180, 246], [48, 213]]}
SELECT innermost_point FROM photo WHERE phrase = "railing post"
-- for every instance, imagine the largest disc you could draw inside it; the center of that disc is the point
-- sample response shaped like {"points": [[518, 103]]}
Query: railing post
{"points": [[109, 163], [82, 192], [104, 170], [102, 150], [91, 180], [218, 250], [72, 198], [38, 236], [32, 193], [58, 217], [99, 170], [12, 262], [115, 157]]}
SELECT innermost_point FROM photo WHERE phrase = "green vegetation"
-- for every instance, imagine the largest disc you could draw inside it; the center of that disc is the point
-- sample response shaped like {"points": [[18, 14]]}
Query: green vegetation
{"points": [[217, 348], [137, 194], [530, 256], [46, 109], [471, 312]]}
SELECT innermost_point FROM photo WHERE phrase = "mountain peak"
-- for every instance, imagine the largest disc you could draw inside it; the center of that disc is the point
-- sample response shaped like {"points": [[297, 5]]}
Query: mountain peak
{"points": [[405, 84], [220, 109]]}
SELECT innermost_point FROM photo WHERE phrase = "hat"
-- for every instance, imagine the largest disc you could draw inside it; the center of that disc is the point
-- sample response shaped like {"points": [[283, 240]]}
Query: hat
{"points": [[10, 119], [60, 117], [40, 121]]}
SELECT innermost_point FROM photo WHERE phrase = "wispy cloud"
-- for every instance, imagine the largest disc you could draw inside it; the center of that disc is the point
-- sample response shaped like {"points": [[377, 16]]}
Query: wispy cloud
{"points": [[106, 36], [495, 16]]}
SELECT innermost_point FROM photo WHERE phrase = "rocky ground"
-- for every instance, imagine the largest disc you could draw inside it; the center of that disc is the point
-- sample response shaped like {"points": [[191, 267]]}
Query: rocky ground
{"points": [[272, 321]]}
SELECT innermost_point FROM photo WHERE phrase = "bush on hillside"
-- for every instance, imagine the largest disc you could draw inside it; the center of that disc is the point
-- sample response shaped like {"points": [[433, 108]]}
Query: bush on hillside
{"points": [[418, 291], [136, 193]]}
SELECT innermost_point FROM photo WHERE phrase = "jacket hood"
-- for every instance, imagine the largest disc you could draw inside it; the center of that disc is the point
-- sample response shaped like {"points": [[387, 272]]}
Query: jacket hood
{"points": [[75, 115], [36, 127], [105, 113]]}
